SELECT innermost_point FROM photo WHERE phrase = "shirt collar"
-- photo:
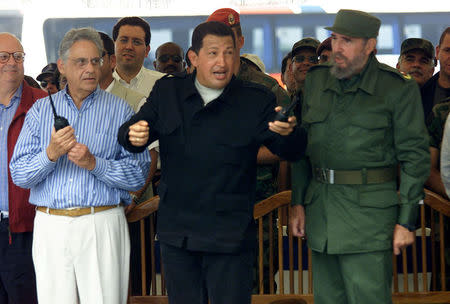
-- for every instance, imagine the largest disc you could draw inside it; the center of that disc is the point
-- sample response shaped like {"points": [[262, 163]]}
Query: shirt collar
{"points": [[190, 89], [133, 81], [16, 97], [86, 102]]}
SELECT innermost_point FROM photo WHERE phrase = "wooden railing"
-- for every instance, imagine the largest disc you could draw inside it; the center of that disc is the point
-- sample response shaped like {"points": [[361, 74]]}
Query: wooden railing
{"points": [[415, 270]]}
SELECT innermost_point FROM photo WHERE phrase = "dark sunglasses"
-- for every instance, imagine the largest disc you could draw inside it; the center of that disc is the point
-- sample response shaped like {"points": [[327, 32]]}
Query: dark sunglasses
{"points": [[45, 83], [301, 58], [324, 58], [165, 58]]}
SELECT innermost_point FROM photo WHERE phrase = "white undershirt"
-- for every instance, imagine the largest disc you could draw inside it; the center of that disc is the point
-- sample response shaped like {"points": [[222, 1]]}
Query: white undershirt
{"points": [[206, 93]]}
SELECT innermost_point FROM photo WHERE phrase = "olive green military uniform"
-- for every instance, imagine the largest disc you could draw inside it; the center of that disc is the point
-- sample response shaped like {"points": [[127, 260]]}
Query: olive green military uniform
{"points": [[266, 175], [367, 124]]}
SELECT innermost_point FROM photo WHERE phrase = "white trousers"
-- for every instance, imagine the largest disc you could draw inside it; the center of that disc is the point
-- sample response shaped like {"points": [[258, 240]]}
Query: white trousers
{"points": [[83, 259]]}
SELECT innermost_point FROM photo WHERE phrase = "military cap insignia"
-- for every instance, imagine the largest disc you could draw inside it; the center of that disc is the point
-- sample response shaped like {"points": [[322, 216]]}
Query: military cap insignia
{"points": [[406, 76], [231, 19]]}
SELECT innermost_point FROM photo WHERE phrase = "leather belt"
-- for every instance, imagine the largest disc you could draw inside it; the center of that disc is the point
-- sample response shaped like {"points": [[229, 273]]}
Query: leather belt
{"points": [[355, 177], [74, 212]]}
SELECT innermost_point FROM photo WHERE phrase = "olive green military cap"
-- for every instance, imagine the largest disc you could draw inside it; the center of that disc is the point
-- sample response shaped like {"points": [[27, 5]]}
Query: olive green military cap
{"points": [[307, 42], [355, 24], [417, 44]]}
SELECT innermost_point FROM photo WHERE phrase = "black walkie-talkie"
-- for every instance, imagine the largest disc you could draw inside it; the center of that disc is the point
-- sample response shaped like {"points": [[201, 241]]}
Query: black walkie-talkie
{"points": [[60, 122], [283, 115]]}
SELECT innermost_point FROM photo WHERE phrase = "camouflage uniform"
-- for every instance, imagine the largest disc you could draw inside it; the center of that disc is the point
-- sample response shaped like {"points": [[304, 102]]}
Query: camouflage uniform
{"points": [[266, 175], [436, 130]]}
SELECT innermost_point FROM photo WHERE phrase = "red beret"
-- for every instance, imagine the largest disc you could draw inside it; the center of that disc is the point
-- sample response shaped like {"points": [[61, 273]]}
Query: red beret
{"points": [[225, 15]]}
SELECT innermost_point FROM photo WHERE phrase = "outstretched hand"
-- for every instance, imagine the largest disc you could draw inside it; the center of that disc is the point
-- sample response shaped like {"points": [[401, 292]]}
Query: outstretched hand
{"points": [[283, 128]]}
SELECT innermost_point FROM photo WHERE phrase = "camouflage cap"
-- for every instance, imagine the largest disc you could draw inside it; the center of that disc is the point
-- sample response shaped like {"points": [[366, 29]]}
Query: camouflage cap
{"points": [[417, 44], [255, 60], [227, 16], [325, 45], [307, 42], [355, 24]]}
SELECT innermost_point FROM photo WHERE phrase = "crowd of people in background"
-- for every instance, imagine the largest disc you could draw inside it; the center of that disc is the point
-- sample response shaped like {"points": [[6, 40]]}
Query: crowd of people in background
{"points": [[68, 240]]}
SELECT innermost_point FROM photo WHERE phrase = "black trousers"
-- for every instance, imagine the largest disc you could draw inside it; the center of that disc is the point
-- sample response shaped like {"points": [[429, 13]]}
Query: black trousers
{"points": [[17, 278], [226, 277]]}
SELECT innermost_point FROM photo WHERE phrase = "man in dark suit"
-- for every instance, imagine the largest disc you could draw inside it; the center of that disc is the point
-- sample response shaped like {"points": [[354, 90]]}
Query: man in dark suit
{"points": [[210, 126]]}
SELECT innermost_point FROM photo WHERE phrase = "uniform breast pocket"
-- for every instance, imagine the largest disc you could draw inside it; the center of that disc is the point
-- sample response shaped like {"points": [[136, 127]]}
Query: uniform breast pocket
{"points": [[370, 134], [314, 120], [104, 145]]}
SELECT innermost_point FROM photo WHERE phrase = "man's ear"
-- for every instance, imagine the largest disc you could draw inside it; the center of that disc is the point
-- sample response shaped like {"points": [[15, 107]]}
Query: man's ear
{"points": [[147, 50], [193, 57], [240, 42], [60, 65], [112, 61], [154, 64], [371, 45]]}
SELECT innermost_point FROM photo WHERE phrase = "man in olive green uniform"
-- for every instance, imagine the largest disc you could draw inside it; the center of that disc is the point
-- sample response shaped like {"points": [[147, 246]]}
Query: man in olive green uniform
{"points": [[363, 119], [268, 163]]}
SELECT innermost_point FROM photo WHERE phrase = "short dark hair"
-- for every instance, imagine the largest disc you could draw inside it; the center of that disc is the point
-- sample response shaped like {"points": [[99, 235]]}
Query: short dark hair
{"points": [[209, 28], [188, 61], [444, 33], [108, 43], [284, 62], [133, 21]]}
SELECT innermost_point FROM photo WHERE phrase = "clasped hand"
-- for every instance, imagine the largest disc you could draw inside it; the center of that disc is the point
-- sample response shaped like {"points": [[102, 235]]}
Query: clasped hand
{"points": [[64, 142]]}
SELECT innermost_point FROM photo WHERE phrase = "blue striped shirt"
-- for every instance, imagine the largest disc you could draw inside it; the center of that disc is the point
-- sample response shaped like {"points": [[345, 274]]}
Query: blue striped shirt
{"points": [[6, 116], [62, 184]]}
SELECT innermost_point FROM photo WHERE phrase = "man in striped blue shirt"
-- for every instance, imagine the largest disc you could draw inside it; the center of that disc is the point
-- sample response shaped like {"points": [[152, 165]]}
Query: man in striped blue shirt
{"points": [[79, 178]]}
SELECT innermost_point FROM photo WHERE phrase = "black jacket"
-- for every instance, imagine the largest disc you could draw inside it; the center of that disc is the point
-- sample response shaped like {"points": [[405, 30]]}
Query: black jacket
{"points": [[208, 160], [427, 92]]}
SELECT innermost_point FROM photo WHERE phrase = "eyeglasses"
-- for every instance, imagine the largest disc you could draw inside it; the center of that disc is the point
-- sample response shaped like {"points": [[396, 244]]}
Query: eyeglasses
{"points": [[165, 58], [301, 58], [323, 58], [45, 83], [18, 57], [81, 62]]}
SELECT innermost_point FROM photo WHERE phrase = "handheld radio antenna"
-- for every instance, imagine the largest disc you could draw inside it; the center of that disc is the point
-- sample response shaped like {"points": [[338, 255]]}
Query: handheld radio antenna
{"points": [[60, 122], [283, 115]]}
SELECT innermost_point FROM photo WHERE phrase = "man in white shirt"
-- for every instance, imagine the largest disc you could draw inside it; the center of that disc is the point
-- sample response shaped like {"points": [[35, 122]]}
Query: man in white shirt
{"points": [[107, 81], [131, 37]]}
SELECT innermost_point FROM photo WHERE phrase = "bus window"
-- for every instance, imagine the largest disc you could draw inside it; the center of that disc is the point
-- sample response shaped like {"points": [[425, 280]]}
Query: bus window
{"points": [[11, 22], [159, 37], [412, 31], [322, 33], [258, 42], [286, 37], [386, 38]]}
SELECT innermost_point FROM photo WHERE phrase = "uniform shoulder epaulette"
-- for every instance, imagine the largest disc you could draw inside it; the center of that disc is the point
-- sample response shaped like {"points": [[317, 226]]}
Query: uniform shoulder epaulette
{"points": [[177, 75], [402, 75]]}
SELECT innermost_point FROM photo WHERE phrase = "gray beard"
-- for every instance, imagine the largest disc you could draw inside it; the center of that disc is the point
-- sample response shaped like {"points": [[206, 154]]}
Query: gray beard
{"points": [[353, 67]]}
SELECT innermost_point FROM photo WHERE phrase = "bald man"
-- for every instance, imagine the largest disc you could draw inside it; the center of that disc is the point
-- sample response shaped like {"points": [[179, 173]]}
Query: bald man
{"points": [[17, 278], [169, 58]]}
